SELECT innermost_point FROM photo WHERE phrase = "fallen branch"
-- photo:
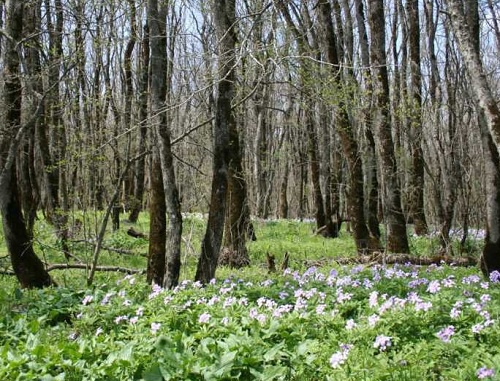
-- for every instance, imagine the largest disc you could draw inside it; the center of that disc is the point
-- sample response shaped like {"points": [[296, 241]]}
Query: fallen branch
{"points": [[401, 259], [82, 266]]}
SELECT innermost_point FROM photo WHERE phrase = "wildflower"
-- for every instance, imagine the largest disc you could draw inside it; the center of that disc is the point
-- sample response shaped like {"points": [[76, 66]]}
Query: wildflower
{"points": [[98, 331], [446, 333], [471, 279], [87, 299], [155, 327], [106, 298], [121, 318], [485, 373], [367, 284], [282, 295], [495, 276], [477, 328], [382, 342], [485, 298], [350, 324], [139, 311], [204, 318], [434, 287], [225, 320], [340, 357], [373, 299], [423, 306], [134, 320], [127, 303], [373, 319], [320, 309]]}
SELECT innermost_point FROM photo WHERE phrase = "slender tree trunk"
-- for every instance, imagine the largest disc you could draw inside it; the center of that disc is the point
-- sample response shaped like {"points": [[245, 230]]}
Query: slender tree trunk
{"points": [[417, 179], [224, 18], [27, 266], [397, 240], [156, 21], [466, 31], [355, 194], [370, 172], [139, 170]]}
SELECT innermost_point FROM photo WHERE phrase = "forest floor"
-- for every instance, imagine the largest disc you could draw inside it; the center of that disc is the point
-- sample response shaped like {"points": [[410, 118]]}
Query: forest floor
{"points": [[317, 320]]}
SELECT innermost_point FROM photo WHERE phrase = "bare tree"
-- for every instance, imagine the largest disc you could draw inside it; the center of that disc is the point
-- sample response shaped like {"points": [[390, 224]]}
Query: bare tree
{"points": [[224, 20], [397, 240], [157, 14], [27, 266]]}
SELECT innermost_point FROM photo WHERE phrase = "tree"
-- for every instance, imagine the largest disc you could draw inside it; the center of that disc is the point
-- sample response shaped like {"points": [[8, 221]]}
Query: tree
{"points": [[416, 198], [397, 240], [355, 194], [224, 20], [27, 266], [466, 31], [157, 14]]}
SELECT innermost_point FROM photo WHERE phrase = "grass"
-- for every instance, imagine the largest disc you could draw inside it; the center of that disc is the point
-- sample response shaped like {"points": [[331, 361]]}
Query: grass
{"points": [[310, 323]]}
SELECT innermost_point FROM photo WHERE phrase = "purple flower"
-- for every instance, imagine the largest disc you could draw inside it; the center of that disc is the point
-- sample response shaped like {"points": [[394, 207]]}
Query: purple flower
{"points": [[373, 319], [121, 318], [382, 342], [485, 372], [477, 328], [340, 357], [446, 333], [87, 300], [350, 324], [320, 309], [155, 327], [134, 320], [495, 276], [434, 287], [204, 318], [373, 299]]}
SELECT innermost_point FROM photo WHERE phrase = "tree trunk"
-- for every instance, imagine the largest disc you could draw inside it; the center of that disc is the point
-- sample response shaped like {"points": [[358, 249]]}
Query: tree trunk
{"points": [[156, 21], [27, 266], [397, 240], [157, 226], [466, 31], [355, 194], [139, 169], [417, 183], [371, 183], [224, 19]]}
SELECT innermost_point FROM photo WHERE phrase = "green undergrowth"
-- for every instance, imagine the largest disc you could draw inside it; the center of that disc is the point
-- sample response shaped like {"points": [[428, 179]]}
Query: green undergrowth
{"points": [[342, 323], [315, 321]]}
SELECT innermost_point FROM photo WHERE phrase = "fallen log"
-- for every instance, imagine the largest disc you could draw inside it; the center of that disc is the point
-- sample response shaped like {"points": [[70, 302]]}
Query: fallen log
{"points": [[393, 259], [83, 266], [136, 234]]}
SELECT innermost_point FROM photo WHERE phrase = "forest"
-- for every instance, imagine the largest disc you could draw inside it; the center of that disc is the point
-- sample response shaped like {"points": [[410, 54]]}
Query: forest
{"points": [[357, 142]]}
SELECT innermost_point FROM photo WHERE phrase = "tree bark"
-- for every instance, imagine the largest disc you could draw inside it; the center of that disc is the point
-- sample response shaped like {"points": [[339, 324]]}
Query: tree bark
{"points": [[139, 169], [224, 18], [355, 194], [397, 240], [417, 179], [27, 266], [157, 226], [466, 31], [159, 87]]}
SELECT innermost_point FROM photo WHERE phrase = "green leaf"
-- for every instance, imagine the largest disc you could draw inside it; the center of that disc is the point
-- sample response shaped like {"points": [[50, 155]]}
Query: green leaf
{"points": [[274, 353], [18, 294], [153, 373]]}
